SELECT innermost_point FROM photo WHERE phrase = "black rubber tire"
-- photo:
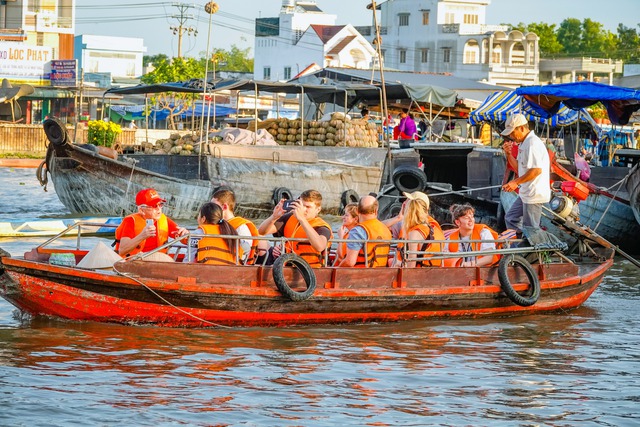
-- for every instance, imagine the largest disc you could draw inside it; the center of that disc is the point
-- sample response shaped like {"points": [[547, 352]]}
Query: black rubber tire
{"points": [[409, 179], [281, 193], [349, 196], [302, 266], [505, 283], [55, 132]]}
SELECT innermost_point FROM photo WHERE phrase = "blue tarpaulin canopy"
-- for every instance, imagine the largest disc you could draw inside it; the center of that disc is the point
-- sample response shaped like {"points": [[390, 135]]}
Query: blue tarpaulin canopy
{"points": [[210, 110], [504, 103], [620, 102]]}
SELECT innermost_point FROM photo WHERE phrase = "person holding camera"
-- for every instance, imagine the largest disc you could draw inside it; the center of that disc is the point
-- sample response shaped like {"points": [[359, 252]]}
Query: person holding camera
{"points": [[298, 219], [147, 229]]}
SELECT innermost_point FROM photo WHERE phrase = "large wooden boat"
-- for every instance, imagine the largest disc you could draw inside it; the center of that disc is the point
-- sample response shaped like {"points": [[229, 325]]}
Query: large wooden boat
{"points": [[175, 294], [90, 183]]}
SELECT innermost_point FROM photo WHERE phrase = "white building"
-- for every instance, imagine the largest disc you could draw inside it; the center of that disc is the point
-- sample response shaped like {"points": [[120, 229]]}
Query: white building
{"points": [[120, 56], [451, 36], [303, 36]]}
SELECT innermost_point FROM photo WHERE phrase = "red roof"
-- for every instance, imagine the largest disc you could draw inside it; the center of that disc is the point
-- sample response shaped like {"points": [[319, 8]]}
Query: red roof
{"points": [[326, 32]]}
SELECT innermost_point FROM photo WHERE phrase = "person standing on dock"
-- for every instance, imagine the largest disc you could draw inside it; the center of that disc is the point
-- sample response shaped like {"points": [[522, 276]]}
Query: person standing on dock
{"points": [[148, 228], [533, 175], [406, 129]]}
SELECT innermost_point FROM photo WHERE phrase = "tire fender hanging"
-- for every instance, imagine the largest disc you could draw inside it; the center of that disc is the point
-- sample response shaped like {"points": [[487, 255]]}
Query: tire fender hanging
{"points": [[507, 287], [303, 267], [348, 196], [409, 178], [281, 193], [56, 132]]}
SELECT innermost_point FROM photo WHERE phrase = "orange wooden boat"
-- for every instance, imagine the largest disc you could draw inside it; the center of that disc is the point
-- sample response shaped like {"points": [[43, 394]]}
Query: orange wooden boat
{"points": [[137, 291]]}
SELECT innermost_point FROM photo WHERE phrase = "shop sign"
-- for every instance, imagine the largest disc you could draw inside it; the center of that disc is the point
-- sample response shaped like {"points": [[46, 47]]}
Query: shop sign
{"points": [[63, 72], [23, 62]]}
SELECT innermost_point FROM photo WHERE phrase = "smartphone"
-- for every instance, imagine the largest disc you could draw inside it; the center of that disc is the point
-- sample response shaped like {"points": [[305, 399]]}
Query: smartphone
{"points": [[149, 222], [287, 205]]}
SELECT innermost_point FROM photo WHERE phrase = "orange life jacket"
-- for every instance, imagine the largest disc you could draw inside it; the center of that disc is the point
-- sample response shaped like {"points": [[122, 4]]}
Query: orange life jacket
{"points": [[378, 252], [293, 229], [430, 231], [475, 235], [341, 252], [237, 222], [215, 250], [139, 223]]}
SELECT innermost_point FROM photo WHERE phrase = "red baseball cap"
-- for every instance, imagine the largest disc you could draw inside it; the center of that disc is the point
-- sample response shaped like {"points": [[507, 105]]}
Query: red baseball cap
{"points": [[149, 197]]}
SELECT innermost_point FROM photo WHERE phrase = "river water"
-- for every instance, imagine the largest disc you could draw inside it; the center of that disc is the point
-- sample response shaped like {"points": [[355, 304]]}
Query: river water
{"points": [[580, 368]]}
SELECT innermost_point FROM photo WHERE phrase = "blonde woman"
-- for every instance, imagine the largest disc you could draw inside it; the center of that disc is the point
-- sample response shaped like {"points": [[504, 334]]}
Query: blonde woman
{"points": [[419, 225]]}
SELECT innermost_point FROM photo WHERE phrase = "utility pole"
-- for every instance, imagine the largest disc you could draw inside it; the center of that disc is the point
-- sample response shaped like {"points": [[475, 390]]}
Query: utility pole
{"points": [[182, 28]]}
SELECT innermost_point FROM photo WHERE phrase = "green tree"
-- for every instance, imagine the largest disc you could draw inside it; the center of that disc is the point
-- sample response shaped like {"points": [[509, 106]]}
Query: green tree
{"points": [[570, 36], [595, 41], [235, 59], [176, 70], [628, 44], [548, 43]]}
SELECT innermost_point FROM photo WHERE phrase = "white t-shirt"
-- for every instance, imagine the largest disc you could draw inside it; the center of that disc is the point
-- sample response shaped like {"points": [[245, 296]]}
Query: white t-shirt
{"points": [[245, 244], [532, 153]]}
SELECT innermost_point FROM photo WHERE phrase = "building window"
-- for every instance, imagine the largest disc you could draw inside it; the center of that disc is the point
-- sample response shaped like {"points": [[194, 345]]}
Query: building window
{"points": [[40, 39], [425, 17], [287, 73], [471, 52], [470, 19], [446, 54], [449, 18], [403, 56], [266, 74], [403, 19], [424, 55]]}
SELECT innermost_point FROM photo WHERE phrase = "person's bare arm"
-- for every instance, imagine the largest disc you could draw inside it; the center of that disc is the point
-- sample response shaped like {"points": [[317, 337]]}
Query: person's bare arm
{"points": [[350, 259]]}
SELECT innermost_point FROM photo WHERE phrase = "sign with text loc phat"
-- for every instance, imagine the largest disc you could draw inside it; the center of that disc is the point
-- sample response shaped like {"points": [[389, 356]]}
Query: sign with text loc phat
{"points": [[63, 72]]}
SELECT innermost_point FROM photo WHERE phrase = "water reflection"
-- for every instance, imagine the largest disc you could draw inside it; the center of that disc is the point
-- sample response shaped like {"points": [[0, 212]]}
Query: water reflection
{"points": [[359, 369]]}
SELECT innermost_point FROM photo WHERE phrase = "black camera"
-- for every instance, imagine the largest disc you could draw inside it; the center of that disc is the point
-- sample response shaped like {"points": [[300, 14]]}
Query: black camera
{"points": [[287, 205]]}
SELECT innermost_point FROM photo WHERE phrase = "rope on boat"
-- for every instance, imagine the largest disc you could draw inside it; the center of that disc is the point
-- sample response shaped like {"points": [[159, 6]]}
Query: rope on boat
{"points": [[126, 192], [445, 193], [140, 282], [44, 167], [619, 184]]}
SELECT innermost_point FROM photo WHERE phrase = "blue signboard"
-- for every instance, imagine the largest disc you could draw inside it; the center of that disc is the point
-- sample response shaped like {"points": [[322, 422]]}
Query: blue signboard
{"points": [[63, 72]]}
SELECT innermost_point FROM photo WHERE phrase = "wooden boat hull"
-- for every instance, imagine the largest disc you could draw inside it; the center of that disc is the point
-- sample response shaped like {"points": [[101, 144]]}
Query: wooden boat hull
{"points": [[88, 183], [204, 296]]}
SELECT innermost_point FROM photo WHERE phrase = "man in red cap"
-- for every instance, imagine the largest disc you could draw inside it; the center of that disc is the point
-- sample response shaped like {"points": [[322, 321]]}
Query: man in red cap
{"points": [[148, 228]]}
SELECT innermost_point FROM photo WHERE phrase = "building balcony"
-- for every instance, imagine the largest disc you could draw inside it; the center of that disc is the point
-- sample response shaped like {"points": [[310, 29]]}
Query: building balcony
{"points": [[471, 29], [584, 64]]}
